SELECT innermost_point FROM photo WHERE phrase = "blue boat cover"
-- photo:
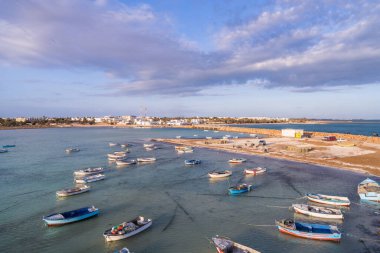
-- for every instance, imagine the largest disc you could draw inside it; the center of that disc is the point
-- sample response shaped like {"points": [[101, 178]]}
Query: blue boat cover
{"points": [[313, 228]]}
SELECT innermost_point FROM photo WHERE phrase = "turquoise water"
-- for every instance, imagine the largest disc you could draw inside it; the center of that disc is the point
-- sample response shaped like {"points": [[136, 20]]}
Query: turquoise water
{"points": [[185, 205], [356, 127]]}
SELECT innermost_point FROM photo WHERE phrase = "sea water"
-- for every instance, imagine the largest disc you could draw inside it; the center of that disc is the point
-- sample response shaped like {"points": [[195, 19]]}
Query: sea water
{"points": [[187, 207]]}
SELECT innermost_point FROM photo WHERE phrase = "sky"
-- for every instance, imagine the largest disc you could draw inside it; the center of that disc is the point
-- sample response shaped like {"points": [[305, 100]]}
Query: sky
{"points": [[314, 59]]}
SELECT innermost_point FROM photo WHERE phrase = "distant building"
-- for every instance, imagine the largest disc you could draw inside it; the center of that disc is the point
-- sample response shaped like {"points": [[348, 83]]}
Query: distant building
{"points": [[294, 133]]}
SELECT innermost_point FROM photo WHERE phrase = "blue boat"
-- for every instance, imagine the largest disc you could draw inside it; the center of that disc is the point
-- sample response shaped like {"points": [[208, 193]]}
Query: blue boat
{"points": [[59, 219], [3, 150], [192, 162], [9, 146], [239, 189], [369, 190], [309, 231]]}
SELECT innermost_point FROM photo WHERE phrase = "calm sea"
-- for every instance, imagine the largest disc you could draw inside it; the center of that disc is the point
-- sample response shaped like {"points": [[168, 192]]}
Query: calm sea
{"points": [[185, 205], [356, 127]]}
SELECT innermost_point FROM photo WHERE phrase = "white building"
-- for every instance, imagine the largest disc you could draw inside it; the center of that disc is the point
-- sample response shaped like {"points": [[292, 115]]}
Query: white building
{"points": [[288, 132]]}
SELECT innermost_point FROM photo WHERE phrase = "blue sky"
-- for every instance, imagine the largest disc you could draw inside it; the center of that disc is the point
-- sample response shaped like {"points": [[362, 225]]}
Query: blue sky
{"points": [[315, 59]]}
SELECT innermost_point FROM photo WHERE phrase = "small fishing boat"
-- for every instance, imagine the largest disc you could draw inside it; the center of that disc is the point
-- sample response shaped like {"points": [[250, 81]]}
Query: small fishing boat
{"points": [[88, 171], [255, 171], [318, 211], [59, 219], [124, 145], [329, 200], [146, 160], [178, 137], [208, 137], [216, 131], [127, 229], [151, 148], [185, 150], [225, 245], [369, 190], [192, 162], [72, 150], [220, 174], [125, 162], [309, 230], [113, 144], [3, 150], [9, 146], [90, 179], [237, 160], [148, 145], [239, 189], [72, 191], [116, 155]]}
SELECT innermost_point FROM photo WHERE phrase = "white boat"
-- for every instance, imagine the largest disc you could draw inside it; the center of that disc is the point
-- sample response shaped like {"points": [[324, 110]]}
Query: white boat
{"points": [[178, 137], [151, 148], [216, 131], [125, 162], [220, 174], [237, 160], [73, 191], [148, 145], [90, 179], [88, 171], [113, 144], [118, 154], [182, 151], [72, 150], [329, 200], [225, 245], [146, 160], [369, 190], [255, 171], [318, 211], [208, 137], [127, 229], [124, 145]]}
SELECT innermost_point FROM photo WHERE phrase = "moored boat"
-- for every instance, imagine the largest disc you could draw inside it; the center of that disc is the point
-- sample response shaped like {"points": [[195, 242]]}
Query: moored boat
{"points": [[59, 219], [369, 190], [255, 171], [125, 162], [148, 145], [318, 211], [185, 150], [309, 230], [237, 160], [127, 229], [73, 191], [90, 179], [113, 144], [146, 159], [329, 200], [3, 150], [225, 245], [116, 155], [239, 189], [220, 174], [88, 171], [72, 150], [9, 146], [192, 162]]}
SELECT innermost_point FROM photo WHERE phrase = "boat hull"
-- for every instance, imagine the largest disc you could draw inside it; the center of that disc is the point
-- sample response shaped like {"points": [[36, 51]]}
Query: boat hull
{"points": [[313, 236], [52, 223], [318, 215], [110, 238]]}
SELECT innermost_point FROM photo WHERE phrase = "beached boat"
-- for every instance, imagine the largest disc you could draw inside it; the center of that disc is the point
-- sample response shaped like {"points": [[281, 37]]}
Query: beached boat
{"points": [[72, 191], [178, 137], [239, 189], [328, 200], [220, 174], [3, 150], [9, 146], [59, 219], [318, 211], [255, 171], [125, 162], [369, 190], [192, 162], [185, 150], [90, 179], [309, 230], [113, 144], [88, 171], [146, 159], [225, 245], [237, 160], [72, 150], [127, 229]]}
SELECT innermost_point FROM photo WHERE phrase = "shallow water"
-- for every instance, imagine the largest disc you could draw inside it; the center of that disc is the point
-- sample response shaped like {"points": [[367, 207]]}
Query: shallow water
{"points": [[357, 127], [185, 205]]}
